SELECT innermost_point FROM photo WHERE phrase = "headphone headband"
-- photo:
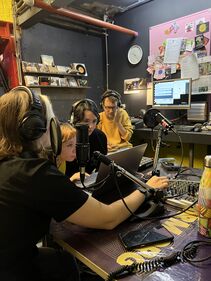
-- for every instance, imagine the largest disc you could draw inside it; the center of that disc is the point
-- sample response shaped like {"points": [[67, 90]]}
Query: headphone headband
{"points": [[111, 93], [75, 116]]}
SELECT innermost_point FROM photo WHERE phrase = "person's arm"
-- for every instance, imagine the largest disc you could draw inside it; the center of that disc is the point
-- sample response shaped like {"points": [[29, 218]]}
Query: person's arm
{"points": [[124, 125], [95, 214]]}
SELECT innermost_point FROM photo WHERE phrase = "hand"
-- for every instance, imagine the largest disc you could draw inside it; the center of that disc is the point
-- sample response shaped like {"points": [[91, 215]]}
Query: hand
{"points": [[117, 116], [76, 176], [158, 182], [112, 147]]}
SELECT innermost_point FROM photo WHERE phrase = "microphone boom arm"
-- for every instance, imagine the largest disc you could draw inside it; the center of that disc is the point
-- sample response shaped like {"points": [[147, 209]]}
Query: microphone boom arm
{"points": [[144, 188]]}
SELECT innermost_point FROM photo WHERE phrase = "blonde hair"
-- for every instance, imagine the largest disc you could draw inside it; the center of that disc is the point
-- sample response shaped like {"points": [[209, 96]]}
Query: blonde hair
{"points": [[68, 131], [13, 107]]}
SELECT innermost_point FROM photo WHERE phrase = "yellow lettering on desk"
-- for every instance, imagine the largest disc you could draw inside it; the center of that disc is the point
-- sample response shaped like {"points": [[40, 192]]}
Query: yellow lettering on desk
{"points": [[187, 217], [129, 258], [172, 225]]}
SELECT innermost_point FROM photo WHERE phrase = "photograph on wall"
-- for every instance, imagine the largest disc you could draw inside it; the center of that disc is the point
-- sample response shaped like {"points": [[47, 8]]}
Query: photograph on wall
{"points": [[134, 85]]}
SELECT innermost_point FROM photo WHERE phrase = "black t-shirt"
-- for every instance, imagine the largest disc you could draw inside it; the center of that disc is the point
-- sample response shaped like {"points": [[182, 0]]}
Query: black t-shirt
{"points": [[98, 142], [32, 192]]}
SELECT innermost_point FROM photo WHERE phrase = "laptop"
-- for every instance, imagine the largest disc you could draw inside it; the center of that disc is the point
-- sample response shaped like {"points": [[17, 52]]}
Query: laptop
{"points": [[128, 159]]}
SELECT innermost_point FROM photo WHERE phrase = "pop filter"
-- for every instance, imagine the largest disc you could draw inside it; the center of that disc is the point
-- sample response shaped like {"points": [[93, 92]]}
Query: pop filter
{"points": [[55, 136], [150, 118]]}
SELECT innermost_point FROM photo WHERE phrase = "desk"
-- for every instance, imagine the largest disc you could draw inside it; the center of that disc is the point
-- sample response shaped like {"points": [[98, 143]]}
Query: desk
{"points": [[191, 138], [102, 252]]}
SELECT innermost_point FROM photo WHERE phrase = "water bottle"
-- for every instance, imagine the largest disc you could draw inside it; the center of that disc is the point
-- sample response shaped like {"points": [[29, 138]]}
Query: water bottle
{"points": [[204, 199]]}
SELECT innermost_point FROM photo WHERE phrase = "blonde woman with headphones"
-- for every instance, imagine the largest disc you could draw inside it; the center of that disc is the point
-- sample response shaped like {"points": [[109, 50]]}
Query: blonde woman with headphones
{"points": [[33, 192]]}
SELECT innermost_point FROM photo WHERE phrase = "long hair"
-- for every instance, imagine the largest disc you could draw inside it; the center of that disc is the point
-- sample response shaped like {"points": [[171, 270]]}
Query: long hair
{"points": [[13, 108]]}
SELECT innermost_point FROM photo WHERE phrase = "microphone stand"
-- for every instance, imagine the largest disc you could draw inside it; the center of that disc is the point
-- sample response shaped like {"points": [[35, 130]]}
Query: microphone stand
{"points": [[161, 131], [156, 172], [143, 187]]}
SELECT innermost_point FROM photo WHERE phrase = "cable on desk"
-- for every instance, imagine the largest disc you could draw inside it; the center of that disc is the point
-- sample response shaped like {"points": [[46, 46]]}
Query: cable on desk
{"points": [[187, 254]]}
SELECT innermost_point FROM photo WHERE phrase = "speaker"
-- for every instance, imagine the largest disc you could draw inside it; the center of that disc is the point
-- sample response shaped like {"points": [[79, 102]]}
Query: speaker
{"points": [[111, 93], [78, 108], [33, 125]]}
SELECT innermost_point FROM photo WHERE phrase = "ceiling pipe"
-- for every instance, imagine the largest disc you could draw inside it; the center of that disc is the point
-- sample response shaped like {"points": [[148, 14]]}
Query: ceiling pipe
{"points": [[80, 17]]}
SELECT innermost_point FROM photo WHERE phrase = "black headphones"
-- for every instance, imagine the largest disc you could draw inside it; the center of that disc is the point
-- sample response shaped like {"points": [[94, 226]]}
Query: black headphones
{"points": [[33, 125], [78, 108], [111, 93]]}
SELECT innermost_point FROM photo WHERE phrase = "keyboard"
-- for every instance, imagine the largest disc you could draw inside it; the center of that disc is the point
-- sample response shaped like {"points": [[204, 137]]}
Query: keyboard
{"points": [[145, 163], [182, 193], [185, 128]]}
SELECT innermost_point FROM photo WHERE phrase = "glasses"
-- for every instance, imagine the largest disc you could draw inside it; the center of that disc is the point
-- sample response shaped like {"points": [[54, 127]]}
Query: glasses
{"points": [[110, 107]]}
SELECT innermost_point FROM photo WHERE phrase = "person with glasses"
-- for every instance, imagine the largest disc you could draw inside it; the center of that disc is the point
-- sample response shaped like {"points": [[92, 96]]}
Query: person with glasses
{"points": [[86, 111], [115, 121]]}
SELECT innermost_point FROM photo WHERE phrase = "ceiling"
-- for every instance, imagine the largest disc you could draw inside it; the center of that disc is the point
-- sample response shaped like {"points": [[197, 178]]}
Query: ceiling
{"points": [[101, 8]]}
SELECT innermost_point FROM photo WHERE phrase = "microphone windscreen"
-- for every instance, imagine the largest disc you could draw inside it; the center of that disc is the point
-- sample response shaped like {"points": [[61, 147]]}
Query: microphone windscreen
{"points": [[150, 119], [82, 135]]}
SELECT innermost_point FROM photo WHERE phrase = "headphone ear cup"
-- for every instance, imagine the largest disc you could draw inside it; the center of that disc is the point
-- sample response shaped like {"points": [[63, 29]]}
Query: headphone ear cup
{"points": [[32, 127]]}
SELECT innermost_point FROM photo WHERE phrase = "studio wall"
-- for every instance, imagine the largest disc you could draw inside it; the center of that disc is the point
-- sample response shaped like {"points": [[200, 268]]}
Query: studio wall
{"points": [[141, 19]]}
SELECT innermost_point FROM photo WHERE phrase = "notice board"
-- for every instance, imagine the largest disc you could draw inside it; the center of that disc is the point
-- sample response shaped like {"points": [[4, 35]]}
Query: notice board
{"points": [[184, 27]]}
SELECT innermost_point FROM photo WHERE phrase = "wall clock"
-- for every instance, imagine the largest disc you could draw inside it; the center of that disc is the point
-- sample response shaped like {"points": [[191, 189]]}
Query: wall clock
{"points": [[135, 54]]}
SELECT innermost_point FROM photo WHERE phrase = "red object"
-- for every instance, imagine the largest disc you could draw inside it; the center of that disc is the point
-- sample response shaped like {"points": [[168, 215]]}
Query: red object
{"points": [[80, 17], [7, 48]]}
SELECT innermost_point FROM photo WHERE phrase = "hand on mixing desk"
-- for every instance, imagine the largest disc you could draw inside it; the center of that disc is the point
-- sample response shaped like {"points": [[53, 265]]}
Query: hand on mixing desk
{"points": [[158, 182]]}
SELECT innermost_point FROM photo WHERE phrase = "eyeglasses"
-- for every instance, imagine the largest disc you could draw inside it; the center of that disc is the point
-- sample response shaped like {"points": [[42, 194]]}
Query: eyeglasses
{"points": [[110, 107]]}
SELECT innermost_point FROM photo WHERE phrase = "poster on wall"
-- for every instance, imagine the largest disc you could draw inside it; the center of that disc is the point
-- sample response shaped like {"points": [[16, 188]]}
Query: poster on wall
{"points": [[171, 42]]}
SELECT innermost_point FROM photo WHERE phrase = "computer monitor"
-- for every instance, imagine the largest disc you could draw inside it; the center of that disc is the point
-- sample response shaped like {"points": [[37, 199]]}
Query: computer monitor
{"points": [[172, 94]]}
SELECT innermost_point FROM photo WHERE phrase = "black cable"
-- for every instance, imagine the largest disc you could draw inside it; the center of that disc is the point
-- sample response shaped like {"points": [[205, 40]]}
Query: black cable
{"points": [[187, 254]]}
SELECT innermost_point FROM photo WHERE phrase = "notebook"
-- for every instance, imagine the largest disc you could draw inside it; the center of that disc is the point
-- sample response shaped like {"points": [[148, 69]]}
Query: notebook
{"points": [[129, 160]]}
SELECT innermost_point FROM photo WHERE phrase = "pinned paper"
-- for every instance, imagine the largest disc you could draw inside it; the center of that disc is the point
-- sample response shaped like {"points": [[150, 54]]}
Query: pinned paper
{"points": [[202, 28], [172, 52], [189, 67], [189, 27]]}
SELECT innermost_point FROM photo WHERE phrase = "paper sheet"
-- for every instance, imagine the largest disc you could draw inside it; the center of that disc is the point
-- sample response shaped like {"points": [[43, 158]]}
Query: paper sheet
{"points": [[189, 67], [172, 52]]}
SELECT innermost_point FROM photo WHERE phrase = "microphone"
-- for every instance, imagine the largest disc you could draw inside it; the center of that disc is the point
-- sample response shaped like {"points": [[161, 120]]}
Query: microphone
{"points": [[153, 117], [82, 148], [164, 121]]}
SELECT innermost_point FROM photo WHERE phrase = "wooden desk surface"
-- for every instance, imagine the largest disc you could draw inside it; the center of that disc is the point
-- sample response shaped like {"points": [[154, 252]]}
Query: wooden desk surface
{"points": [[102, 251]]}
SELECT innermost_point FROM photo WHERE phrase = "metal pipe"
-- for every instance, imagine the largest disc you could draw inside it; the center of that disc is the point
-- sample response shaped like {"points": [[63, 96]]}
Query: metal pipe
{"points": [[107, 60], [80, 17]]}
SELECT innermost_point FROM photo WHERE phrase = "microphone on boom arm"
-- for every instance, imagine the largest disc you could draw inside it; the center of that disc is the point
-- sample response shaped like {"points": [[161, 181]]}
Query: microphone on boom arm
{"points": [[153, 117], [153, 195]]}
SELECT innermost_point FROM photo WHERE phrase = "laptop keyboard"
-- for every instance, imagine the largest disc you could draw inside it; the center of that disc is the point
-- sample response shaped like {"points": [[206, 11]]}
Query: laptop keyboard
{"points": [[145, 163]]}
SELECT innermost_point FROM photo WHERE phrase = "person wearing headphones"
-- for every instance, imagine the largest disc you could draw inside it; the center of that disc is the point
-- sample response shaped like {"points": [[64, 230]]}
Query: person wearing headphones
{"points": [[33, 191], [68, 133], [114, 121], [86, 111]]}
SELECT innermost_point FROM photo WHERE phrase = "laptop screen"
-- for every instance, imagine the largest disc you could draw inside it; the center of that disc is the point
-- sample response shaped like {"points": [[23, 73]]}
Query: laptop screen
{"points": [[129, 160]]}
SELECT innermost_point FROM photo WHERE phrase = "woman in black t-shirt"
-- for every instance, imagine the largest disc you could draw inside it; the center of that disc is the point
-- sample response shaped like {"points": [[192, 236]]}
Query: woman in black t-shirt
{"points": [[33, 191]]}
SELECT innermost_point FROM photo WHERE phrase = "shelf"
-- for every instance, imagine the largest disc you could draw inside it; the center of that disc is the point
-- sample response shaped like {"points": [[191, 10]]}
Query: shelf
{"points": [[53, 74], [48, 86]]}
